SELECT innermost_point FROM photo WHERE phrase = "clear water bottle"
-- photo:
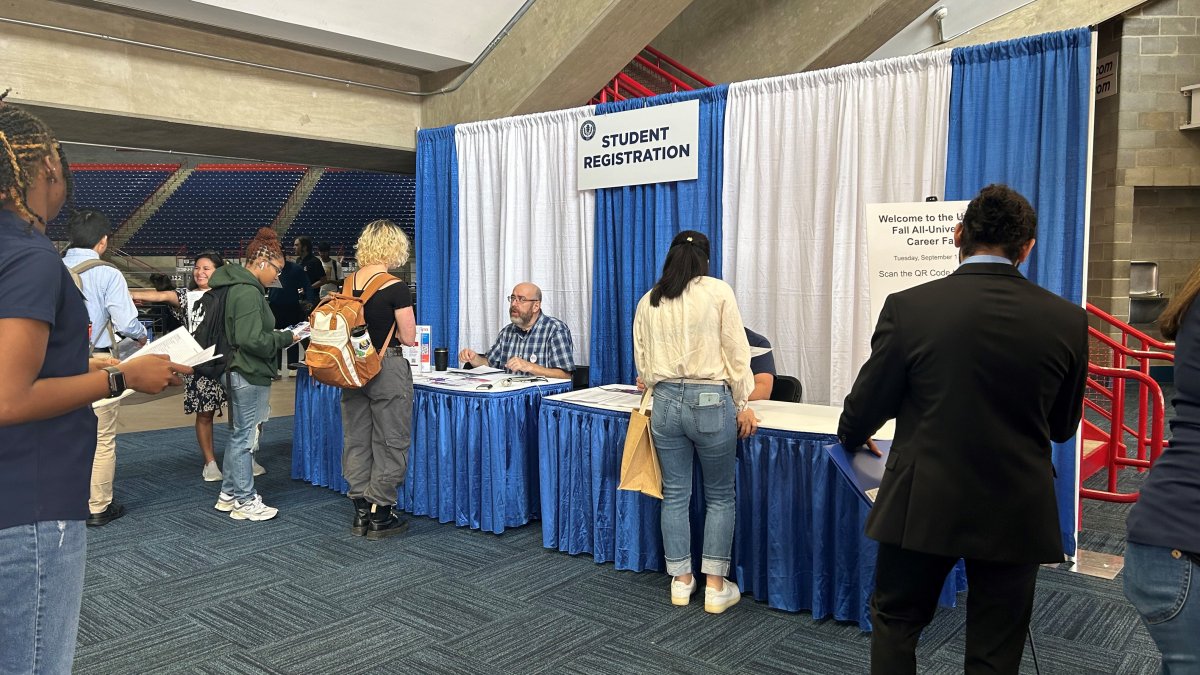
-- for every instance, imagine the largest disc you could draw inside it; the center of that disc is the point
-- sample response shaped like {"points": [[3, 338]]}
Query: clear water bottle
{"points": [[360, 340]]}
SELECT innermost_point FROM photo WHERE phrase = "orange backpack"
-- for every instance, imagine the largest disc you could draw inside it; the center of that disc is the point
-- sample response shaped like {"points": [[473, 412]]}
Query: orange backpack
{"points": [[331, 355]]}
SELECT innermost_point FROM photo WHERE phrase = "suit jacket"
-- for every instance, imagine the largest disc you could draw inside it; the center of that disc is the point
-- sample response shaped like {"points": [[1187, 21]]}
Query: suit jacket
{"points": [[981, 370]]}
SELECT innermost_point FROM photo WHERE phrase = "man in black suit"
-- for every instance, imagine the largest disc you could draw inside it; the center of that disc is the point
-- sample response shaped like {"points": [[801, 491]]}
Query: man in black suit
{"points": [[981, 370]]}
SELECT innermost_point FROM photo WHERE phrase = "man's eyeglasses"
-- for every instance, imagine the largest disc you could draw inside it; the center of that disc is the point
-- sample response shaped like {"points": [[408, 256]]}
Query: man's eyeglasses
{"points": [[521, 299], [508, 382]]}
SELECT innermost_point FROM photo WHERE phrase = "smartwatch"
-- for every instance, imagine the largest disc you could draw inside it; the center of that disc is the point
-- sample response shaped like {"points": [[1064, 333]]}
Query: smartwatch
{"points": [[116, 381]]}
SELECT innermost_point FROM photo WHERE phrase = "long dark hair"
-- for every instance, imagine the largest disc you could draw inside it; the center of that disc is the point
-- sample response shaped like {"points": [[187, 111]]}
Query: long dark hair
{"points": [[213, 256], [686, 259]]}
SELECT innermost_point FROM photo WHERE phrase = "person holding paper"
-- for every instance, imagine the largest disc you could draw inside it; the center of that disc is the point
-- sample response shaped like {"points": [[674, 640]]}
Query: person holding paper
{"points": [[534, 343], [249, 326], [111, 311], [202, 395], [377, 419], [981, 369], [690, 348], [47, 427]]}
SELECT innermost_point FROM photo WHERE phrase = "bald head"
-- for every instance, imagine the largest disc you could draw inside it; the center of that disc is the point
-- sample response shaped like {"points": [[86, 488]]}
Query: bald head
{"points": [[525, 305]]}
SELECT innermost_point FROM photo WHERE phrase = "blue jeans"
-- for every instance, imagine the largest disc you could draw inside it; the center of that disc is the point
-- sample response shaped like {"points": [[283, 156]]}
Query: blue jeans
{"points": [[41, 586], [249, 407], [681, 427], [1165, 590]]}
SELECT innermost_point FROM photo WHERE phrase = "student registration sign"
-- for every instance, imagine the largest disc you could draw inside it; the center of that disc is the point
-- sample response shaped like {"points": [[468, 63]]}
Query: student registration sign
{"points": [[648, 145]]}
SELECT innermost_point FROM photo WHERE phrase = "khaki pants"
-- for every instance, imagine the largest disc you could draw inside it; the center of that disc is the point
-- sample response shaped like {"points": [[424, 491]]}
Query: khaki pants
{"points": [[104, 466]]}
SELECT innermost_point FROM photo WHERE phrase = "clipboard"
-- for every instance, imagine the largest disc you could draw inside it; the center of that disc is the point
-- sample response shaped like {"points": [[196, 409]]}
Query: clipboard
{"points": [[862, 469]]}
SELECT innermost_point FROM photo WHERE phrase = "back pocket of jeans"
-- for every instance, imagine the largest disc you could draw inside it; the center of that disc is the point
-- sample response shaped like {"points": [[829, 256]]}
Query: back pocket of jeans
{"points": [[710, 419]]}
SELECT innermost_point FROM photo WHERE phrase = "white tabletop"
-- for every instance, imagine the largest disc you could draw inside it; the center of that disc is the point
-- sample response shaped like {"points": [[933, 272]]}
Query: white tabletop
{"points": [[798, 417], [493, 383]]}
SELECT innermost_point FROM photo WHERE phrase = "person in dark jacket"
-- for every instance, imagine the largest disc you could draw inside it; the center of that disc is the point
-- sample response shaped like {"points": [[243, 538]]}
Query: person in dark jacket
{"points": [[1162, 554], [250, 328], [981, 371]]}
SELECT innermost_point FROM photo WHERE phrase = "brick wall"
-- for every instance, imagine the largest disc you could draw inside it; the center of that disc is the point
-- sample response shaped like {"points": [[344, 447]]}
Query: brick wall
{"points": [[1133, 217]]}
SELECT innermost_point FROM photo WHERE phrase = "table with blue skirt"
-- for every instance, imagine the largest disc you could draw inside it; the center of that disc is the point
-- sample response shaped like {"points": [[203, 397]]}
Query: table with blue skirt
{"points": [[473, 459], [798, 536]]}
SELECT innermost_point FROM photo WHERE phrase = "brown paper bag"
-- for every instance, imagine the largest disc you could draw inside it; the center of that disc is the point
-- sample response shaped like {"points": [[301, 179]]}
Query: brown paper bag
{"points": [[640, 471]]}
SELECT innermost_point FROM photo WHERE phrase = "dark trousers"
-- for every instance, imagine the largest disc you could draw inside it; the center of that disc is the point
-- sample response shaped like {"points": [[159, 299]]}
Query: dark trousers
{"points": [[907, 586]]}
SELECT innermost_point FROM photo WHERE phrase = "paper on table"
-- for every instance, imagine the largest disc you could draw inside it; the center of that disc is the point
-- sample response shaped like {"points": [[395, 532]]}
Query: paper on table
{"points": [[604, 398], [478, 370]]}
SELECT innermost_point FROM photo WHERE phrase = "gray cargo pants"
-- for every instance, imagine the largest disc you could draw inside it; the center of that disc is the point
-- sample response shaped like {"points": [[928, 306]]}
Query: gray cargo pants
{"points": [[376, 430]]}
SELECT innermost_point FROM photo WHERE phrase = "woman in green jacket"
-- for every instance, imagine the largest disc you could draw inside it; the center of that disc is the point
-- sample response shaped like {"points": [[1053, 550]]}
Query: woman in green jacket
{"points": [[250, 329]]}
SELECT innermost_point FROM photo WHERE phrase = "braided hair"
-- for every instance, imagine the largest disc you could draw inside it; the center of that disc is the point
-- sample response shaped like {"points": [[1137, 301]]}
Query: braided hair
{"points": [[264, 246], [998, 217], [25, 141]]}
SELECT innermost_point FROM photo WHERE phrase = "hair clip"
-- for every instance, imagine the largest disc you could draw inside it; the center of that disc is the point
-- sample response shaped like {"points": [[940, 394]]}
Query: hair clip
{"points": [[689, 238]]}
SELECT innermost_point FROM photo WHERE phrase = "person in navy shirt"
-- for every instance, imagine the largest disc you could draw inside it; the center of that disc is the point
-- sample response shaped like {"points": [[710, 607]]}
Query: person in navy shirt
{"points": [[1162, 555], [47, 428]]}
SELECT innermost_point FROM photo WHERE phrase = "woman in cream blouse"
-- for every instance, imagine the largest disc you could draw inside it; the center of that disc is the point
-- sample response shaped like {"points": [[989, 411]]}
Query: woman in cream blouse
{"points": [[690, 349]]}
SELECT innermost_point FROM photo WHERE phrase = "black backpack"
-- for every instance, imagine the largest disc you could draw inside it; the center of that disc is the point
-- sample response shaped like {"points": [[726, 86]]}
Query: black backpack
{"points": [[211, 331]]}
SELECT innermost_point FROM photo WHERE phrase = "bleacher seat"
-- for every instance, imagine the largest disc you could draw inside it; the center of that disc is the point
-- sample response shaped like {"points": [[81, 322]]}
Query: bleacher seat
{"points": [[342, 202]]}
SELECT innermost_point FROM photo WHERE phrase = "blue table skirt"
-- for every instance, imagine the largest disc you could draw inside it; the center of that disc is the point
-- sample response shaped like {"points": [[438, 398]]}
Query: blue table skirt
{"points": [[798, 541], [472, 461]]}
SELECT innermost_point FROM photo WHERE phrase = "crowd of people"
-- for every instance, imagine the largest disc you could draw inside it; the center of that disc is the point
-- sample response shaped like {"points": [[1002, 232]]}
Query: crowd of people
{"points": [[981, 370]]}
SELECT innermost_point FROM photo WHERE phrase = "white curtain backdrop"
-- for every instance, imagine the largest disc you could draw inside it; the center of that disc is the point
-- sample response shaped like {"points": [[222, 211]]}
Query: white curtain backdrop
{"points": [[803, 154], [521, 218]]}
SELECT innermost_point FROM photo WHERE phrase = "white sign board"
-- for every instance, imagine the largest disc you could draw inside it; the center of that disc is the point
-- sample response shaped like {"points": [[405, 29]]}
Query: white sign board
{"points": [[908, 244], [648, 145], [1106, 75]]}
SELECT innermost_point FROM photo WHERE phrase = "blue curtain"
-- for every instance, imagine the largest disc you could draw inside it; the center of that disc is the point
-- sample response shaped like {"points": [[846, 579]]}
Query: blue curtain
{"points": [[437, 236], [634, 227], [1019, 115]]}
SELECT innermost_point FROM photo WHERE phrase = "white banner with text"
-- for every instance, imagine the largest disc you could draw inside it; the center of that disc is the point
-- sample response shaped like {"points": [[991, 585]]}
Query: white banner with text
{"points": [[636, 147], [909, 243]]}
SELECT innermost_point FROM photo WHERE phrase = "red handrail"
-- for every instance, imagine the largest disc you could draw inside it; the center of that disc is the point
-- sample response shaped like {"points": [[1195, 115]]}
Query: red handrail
{"points": [[612, 90], [1149, 448], [676, 65], [1148, 442], [675, 81], [1127, 330]]}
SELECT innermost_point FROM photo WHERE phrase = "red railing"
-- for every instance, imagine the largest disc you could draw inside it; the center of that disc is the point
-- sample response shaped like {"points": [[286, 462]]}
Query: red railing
{"points": [[671, 73], [1129, 358]]}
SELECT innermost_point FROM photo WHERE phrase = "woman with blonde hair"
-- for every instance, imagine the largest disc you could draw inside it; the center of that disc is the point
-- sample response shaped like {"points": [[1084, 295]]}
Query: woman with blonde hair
{"points": [[377, 419], [250, 329], [690, 348]]}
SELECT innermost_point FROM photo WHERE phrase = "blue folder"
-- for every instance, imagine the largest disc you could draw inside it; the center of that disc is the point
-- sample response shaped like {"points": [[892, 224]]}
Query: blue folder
{"points": [[861, 468]]}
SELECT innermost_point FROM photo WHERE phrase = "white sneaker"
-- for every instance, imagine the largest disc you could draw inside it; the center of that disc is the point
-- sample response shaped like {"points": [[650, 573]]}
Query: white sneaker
{"points": [[681, 593], [258, 468], [716, 602], [211, 472], [253, 509], [225, 503]]}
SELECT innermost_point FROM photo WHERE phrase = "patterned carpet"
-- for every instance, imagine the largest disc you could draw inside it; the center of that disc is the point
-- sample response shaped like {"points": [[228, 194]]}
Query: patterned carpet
{"points": [[176, 586]]}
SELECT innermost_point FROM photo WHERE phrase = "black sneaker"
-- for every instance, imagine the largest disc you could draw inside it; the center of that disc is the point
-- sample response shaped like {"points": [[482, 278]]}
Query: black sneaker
{"points": [[109, 514]]}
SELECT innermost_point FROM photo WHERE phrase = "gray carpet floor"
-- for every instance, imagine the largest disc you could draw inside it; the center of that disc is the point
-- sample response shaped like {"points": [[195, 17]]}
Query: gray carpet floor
{"points": [[176, 586]]}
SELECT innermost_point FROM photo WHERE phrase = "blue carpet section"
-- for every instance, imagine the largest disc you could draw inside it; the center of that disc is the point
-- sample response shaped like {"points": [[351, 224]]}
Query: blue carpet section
{"points": [[176, 586]]}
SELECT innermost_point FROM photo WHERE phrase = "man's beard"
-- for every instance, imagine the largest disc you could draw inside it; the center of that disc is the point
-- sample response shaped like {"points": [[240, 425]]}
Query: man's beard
{"points": [[521, 319]]}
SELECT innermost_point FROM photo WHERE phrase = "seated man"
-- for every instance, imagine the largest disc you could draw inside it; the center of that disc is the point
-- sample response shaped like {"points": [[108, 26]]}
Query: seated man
{"points": [[534, 343], [763, 366]]}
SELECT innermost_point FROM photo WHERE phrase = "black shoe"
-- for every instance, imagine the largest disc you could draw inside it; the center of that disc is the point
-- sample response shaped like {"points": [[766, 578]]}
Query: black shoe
{"points": [[362, 516], [111, 513], [385, 523]]}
